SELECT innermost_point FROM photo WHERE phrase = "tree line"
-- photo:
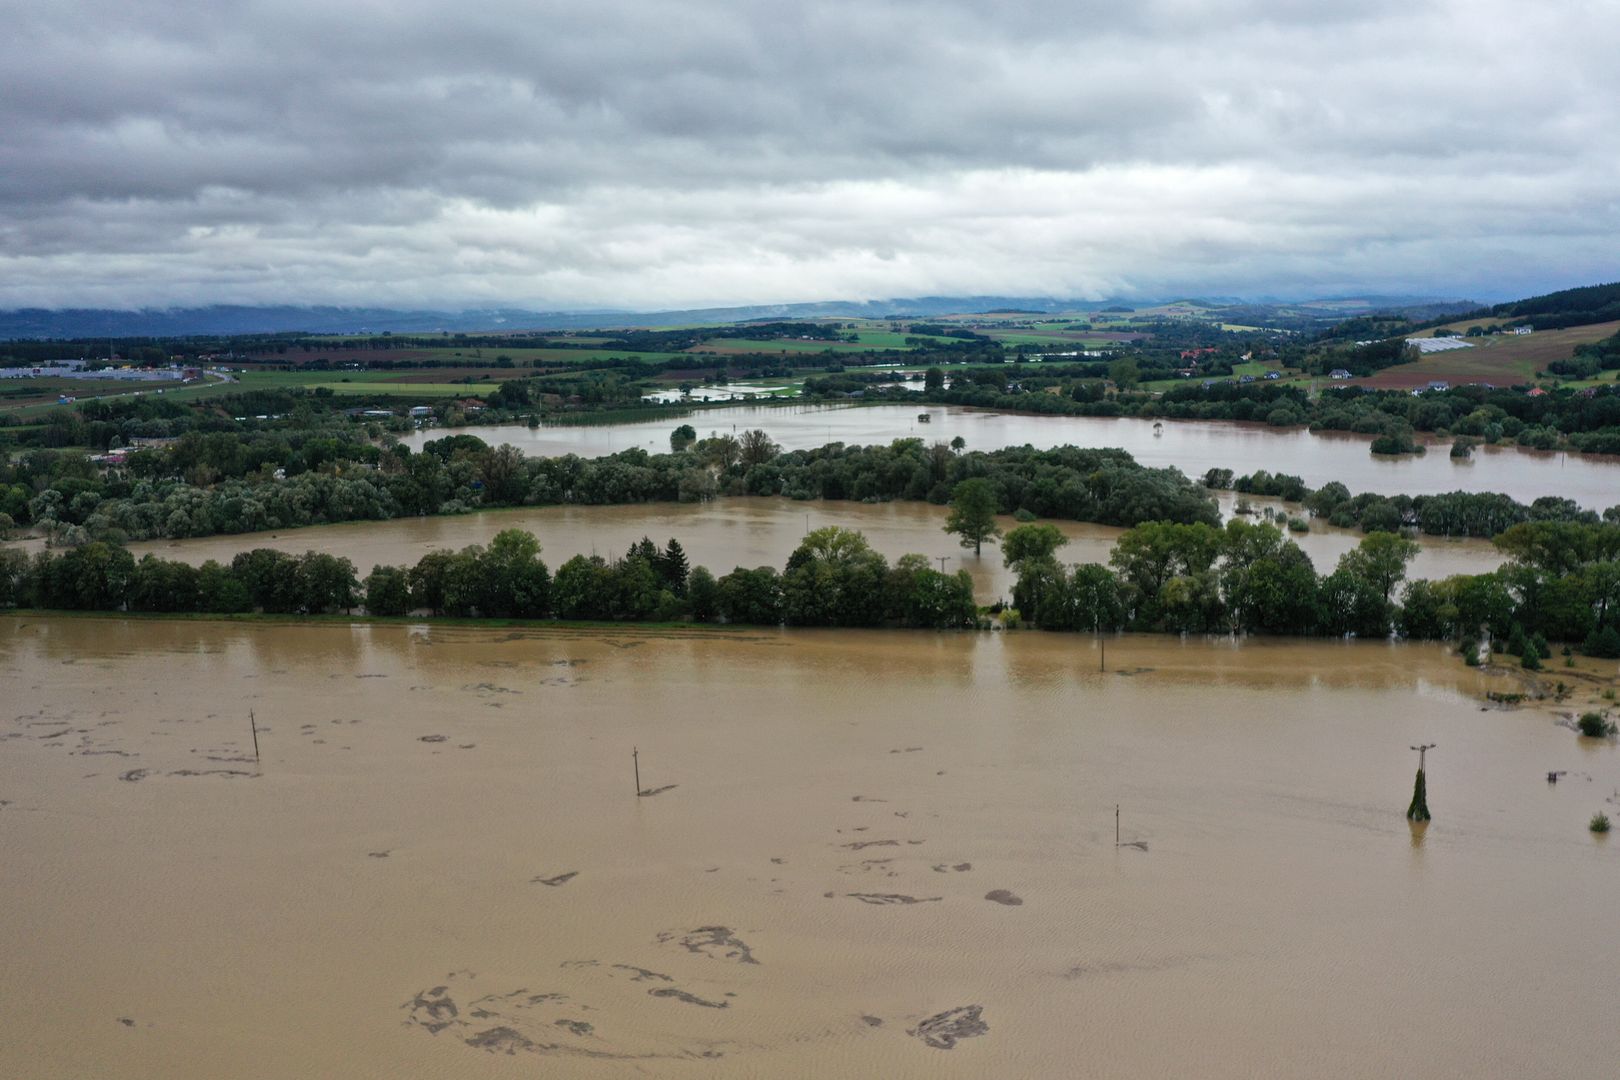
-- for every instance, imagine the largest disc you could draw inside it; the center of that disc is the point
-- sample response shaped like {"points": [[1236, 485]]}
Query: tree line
{"points": [[1587, 420], [216, 482], [1561, 584], [834, 578]]}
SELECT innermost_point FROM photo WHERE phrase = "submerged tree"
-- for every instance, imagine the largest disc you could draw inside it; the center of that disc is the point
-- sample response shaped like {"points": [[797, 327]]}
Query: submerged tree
{"points": [[973, 513]]}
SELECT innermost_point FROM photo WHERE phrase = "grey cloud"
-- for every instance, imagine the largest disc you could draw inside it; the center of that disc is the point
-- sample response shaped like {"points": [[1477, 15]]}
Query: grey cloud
{"points": [[646, 153]]}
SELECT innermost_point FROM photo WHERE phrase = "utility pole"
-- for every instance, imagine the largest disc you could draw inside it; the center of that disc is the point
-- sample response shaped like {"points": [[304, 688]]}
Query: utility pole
{"points": [[943, 559], [1423, 750], [1418, 811], [253, 725], [1116, 824], [635, 761], [1102, 660]]}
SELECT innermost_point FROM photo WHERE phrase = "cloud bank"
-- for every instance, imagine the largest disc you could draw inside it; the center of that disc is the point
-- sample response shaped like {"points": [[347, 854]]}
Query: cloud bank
{"points": [[637, 154]]}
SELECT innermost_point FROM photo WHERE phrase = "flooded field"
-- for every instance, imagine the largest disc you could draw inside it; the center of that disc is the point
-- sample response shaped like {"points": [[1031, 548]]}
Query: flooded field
{"points": [[857, 854], [1191, 446], [728, 533]]}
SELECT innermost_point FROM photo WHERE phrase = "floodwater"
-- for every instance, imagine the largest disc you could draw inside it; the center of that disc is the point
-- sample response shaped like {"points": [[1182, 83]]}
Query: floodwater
{"points": [[1189, 445], [749, 532], [869, 854]]}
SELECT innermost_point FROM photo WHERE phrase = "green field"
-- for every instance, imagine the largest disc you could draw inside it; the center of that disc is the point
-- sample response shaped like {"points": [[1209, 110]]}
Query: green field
{"points": [[1065, 341]]}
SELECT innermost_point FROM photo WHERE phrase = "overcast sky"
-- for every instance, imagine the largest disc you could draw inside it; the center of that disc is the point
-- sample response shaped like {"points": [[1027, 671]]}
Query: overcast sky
{"points": [[640, 154]]}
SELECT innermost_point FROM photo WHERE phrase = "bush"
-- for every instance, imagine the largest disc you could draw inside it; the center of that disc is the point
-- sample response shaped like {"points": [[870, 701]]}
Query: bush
{"points": [[1595, 725], [1516, 644], [1599, 823], [1396, 444], [1604, 644], [1023, 515], [1531, 660]]}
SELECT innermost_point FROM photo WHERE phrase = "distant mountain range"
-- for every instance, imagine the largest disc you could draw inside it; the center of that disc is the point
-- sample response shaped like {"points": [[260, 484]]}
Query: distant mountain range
{"points": [[225, 320]]}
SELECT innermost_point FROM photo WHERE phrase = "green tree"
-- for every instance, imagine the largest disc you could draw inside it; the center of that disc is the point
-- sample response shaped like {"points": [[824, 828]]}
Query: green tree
{"points": [[1381, 559], [220, 592], [756, 448], [516, 582], [834, 578], [1274, 594], [920, 596], [720, 451], [1353, 604], [326, 583], [1095, 601], [429, 580], [160, 585], [1152, 554], [1031, 542], [671, 565], [1125, 373], [702, 594], [271, 579], [1041, 593], [933, 380], [1604, 643], [751, 596], [13, 577], [503, 475], [388, 591], [973, 513], [682, 437], [579, 591]]}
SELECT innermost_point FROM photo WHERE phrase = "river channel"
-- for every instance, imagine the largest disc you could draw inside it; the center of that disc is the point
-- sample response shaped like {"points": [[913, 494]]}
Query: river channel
{"points": [[1191, 446], [858, 854]]}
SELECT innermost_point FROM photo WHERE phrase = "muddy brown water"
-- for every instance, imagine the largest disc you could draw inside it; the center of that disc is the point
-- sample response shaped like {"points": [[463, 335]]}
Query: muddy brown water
{"points": [[1192, 446], [749, 532], [440, 866]]}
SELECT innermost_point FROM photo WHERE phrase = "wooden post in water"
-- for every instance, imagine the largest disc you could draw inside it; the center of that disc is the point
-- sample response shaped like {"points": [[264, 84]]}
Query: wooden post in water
{"points": [[253, 725], [636, 761], [1116, 824], [1102, 661]]}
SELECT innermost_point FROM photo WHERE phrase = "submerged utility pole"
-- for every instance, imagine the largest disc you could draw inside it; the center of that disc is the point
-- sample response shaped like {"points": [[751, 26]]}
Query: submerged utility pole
{"points": [[1116, 824], [253, 725], [1102, 660], [1419, 810], [636, 762]]}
